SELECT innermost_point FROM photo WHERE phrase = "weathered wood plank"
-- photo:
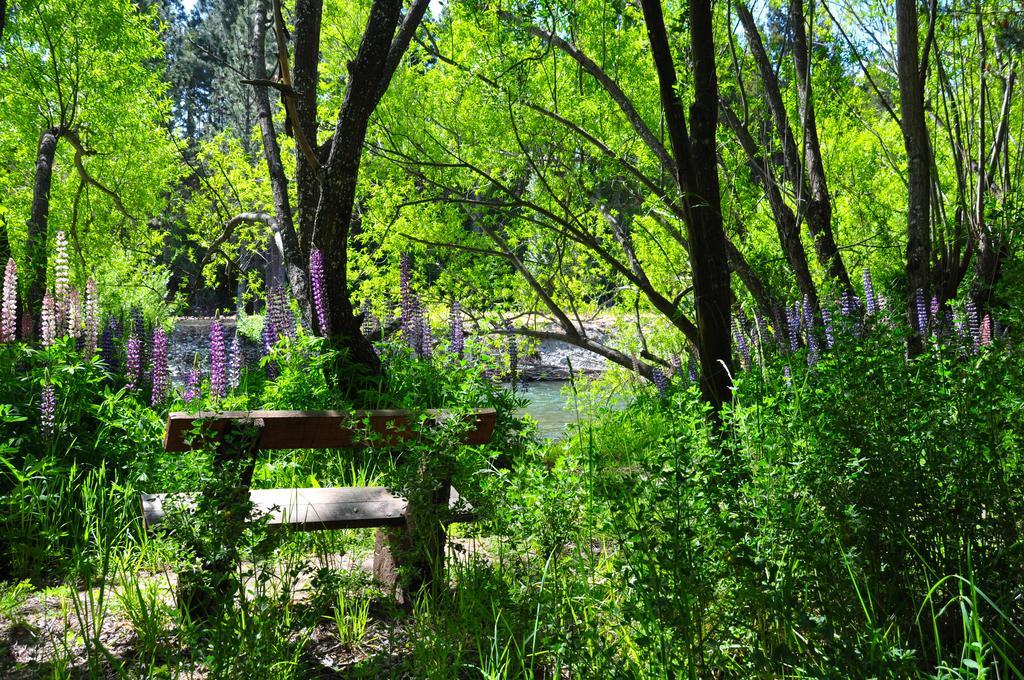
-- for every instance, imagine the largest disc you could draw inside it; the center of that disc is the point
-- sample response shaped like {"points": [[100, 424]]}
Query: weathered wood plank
{"points": [[318, 429], [313, 509]]}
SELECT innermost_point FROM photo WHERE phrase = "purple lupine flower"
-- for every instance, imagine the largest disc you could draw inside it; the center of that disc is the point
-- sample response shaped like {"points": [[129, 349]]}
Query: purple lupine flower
{"points": [[788, 375], [922, 312], [316, 276], [410, 305], [49, 325], [972, 323], [218, 361], [284, 320], [192, 385], [846, 303], [934, 311], [269, 333], [426, 335], [9, 305], [92, 317], [48, 409], [107, 350], [763, 338], [808, 315], [830, 338], [676, 363], [457, 335], [741, 341], [133, 361], [236, 363], [60, 281], [986, 330], [793, 323], [691, 369], [161, 381], [412, 328], [781, 327], [812, 350], [869, 292], [138, 322], [660, 381]]}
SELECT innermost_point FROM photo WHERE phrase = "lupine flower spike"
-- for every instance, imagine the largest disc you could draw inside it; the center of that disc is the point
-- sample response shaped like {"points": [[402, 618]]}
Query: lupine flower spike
{"points": [[869, 292], [159, 358], [107, 350], [133, 361], [741, 341], [49, 321], [9, 306], [192, 385], [235, 365], [922, 312], [60, 279], [92, 317], [986, 330], [426, 335], [74, 313], [660, 381], [826, 318], [218, 361], [316, 276], [793, 322], [48, 409], [972, 324]]}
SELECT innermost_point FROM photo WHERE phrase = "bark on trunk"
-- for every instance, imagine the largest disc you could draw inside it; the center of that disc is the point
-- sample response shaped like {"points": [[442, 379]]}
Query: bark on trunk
{"points": [[696, 166], [785, 221], [294, 263], [306, 78], [819, 203], [334, 212], [38, 224], [915, 140]]}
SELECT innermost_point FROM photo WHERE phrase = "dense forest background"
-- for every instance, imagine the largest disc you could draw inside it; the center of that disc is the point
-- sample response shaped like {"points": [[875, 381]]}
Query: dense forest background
{"points": [[521, 156], [790, 230]]}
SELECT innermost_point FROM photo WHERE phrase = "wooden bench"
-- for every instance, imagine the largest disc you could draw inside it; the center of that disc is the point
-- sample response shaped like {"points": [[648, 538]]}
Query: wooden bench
{"points": [[239, 435]]}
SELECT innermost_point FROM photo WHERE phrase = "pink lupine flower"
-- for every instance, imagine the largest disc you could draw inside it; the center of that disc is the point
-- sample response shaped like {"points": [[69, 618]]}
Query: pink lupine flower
{"points": [[92, 318], [48, 409], [48, 328], [60, 279], [9, 306], [133, 361]]}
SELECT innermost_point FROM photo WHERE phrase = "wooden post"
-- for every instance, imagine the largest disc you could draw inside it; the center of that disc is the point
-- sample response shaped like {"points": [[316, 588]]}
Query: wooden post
{"points": [[202, 591]]}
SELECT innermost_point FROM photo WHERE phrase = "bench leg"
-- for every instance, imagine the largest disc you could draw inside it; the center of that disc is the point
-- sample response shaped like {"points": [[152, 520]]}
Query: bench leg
{"points": [[410, 558], [201, 592]]}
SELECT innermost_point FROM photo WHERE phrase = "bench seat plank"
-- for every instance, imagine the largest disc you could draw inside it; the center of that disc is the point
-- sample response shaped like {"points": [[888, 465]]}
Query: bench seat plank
{"points": [[316, 509], [319, 429]]}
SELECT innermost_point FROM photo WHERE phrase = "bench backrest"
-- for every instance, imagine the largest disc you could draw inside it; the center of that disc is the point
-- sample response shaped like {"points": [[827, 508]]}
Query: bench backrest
{"points": [[318, 429]]}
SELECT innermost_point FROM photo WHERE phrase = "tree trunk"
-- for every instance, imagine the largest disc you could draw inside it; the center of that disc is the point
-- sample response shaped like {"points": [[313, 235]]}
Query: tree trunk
{"points": [[306, 78], [819, 203], [696, 165], [334, 212], [915, 140], [294, 263], [38, 224]]}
